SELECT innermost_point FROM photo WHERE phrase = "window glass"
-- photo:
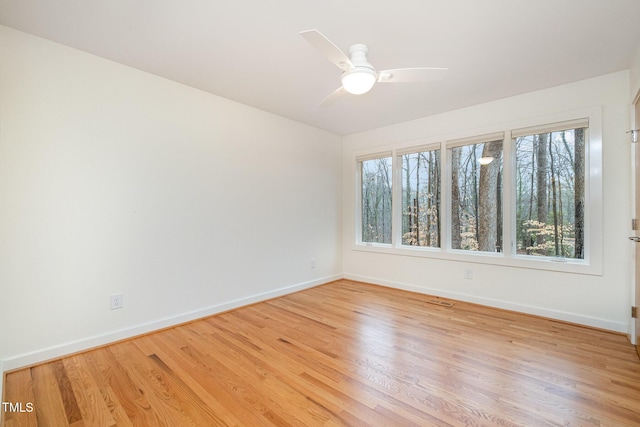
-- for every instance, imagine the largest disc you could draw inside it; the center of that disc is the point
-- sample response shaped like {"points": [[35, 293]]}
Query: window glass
{"points": [[550, 194], [476, 197], [376, 200], [421, 198]]}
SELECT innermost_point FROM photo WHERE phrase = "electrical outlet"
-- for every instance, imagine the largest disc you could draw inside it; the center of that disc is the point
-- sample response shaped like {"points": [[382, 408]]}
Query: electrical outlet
{"points": [[116, 301], [313, 263], [468, 274]]}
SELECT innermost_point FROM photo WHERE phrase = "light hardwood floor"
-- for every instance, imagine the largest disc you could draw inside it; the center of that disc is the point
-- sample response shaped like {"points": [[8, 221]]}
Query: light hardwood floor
{"points": [[345, 353]]}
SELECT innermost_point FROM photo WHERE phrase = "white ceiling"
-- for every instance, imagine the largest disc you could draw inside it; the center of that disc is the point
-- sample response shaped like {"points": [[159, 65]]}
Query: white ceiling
{"points": [[250, 50]]}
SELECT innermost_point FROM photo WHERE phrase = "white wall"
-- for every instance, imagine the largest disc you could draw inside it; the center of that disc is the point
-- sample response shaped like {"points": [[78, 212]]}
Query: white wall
{"points": [[601, 301], [635, 74], [114, 180]]}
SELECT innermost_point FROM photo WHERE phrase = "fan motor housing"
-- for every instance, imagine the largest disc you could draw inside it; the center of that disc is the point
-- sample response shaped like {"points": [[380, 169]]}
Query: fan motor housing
{"points": [[358, 54]]}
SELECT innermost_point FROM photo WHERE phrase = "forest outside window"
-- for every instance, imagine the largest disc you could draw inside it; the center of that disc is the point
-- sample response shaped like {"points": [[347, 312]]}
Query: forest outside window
{"points": [[376, 198], [421, 198], [550, 190], [476, 195], [522, 196]]}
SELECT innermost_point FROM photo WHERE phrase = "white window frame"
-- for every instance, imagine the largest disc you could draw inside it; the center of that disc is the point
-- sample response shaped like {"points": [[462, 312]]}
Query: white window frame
{"points": [[358, 219], [593, 260], [397, 233], [448, 145], [555, 127]]}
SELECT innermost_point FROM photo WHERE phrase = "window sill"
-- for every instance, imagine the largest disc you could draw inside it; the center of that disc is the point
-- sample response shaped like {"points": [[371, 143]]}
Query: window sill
{"points": [[563, 265]]}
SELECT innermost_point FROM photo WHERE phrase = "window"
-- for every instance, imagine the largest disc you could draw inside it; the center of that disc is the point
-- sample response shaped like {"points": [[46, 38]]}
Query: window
{"points": [[476, 196], [376, 197], [519, 197], [421, 198], [550, 191]]}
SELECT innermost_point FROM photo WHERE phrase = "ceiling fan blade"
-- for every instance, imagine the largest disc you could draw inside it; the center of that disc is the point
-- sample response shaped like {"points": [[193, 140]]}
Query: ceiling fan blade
{"points": [[333, 97], [407, 75], [328, 49]]}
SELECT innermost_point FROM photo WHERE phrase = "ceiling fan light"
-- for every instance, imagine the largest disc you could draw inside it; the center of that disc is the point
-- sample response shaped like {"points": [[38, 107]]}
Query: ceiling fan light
{"points": [[358, 81], [485, 160]]}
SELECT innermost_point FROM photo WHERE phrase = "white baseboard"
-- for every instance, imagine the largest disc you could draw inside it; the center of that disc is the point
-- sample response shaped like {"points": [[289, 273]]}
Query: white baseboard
{"points": [[54, 352], [595, 322]]}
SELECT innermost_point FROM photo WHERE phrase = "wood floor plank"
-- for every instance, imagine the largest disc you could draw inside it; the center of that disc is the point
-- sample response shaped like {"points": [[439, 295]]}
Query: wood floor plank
{"points": [[90, 400], [234, 388], [48, 401], [129, 401], [74, 417], [331, 375], [389, 377], [158, 387], [252, 378], [117, 410], [375, 376], [19, 390], [175, 357], [291, 370], [345, 353]]}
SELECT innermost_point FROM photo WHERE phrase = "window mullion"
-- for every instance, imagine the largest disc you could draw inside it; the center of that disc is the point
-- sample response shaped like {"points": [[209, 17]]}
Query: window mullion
{"points": [[358, 204], [445, 192], [396, 205], [509, 196]]}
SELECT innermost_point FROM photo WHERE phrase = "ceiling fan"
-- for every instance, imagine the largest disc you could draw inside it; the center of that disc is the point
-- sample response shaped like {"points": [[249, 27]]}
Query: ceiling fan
{"points": [[358, 76]]}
